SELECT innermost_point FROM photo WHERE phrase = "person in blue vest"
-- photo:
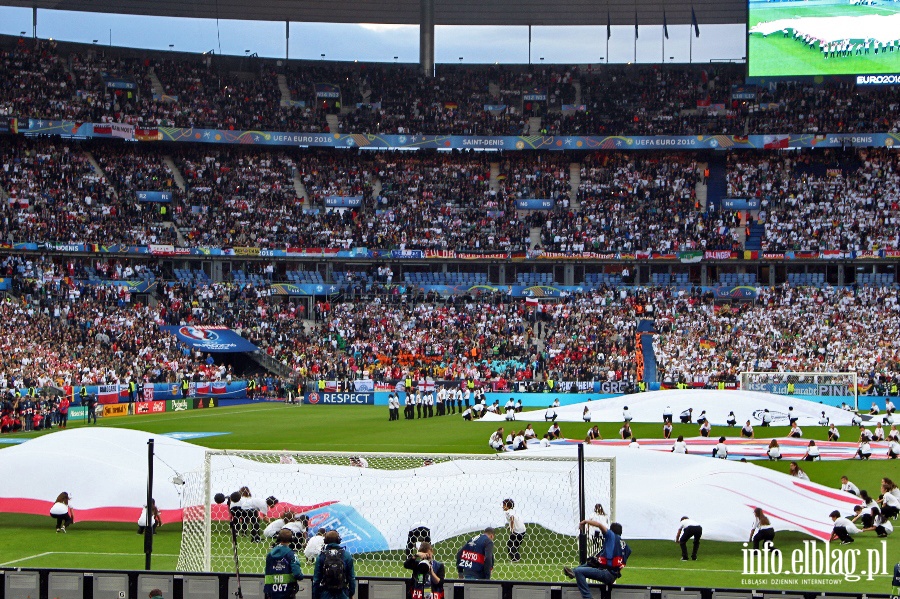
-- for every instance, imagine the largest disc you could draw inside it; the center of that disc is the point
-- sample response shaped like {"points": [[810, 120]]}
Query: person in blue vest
{"points": [[606, 566], [282, 568], [475, 559]]}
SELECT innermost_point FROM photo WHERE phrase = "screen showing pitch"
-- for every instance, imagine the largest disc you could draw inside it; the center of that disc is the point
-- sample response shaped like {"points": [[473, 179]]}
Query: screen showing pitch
{"points": [[825, 37]]}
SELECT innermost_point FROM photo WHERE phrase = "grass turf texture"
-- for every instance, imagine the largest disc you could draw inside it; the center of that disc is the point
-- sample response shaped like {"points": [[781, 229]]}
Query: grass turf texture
{"points": [[31, 541], [779, 56]]}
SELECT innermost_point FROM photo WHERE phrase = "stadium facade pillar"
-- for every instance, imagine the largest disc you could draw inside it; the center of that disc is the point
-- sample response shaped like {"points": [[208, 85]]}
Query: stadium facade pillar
{"points": [[426, 37]]}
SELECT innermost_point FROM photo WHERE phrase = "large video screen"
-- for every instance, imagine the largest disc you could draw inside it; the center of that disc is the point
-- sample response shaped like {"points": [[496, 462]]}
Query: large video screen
{"points": [[824, 37]]}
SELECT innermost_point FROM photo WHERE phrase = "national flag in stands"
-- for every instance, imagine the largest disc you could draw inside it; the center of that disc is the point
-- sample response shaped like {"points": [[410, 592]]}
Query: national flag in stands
{"points": [[707, 344], [635, 25], [665, 25], [608, 26], [451, 105], [694, 23], [532, 300], [108, 394]]}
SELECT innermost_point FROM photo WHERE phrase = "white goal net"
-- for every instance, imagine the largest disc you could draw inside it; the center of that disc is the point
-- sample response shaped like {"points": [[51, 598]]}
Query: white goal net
{"points": [[827, 384], [382, 504]]}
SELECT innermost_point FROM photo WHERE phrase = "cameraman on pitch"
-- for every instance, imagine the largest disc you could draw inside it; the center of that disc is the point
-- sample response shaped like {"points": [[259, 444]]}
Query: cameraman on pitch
{"points": [[427, 574], [282, 568]]}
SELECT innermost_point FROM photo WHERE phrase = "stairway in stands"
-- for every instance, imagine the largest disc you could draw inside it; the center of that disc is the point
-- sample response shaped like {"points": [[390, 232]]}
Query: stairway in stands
{"points": [[647, 326], [717, 184], [754, 240]]}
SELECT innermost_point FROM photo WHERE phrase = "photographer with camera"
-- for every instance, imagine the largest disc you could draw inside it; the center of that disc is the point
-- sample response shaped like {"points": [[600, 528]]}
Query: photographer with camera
{"points": [[606, 566], [427, 574], [282, 568]]}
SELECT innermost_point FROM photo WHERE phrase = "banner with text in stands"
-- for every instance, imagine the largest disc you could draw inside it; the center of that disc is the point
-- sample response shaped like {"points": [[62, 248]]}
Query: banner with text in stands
{"points": [[77, 130]]}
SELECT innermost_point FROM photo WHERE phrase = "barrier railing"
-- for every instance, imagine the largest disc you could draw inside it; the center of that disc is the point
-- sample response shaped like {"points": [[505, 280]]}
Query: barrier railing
{"points": [[76, 584]]}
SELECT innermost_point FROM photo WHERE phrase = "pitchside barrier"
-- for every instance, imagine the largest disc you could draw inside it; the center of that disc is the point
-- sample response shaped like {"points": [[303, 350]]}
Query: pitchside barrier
{"points": [[76, 584]]}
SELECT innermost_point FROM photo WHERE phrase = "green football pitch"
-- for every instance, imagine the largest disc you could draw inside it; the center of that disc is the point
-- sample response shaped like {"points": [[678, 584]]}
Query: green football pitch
{"points": [[31, 541], [779, 56]]}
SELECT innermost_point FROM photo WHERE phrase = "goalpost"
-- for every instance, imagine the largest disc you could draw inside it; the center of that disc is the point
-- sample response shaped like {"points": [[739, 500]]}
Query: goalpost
{"points": [[382, 504], [830, 384]]}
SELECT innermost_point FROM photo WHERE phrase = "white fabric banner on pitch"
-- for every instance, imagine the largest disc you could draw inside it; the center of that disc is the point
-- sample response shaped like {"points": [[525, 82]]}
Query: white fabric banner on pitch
{"points": [[106, 474]]}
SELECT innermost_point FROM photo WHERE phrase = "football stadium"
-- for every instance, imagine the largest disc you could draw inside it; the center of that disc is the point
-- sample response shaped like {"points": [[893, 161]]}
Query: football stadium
{"points": [[462, 331]]}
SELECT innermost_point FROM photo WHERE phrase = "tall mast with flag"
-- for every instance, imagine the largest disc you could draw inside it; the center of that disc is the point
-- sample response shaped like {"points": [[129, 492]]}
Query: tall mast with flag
{"points": [[696, 28], [608, 33], [665, 36], [635, 35]]}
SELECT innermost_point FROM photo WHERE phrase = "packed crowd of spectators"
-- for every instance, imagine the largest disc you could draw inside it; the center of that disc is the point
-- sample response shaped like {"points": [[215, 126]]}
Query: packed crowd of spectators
{"points": [[203, 91], [824, 200], [787, 329], [637, 202]]}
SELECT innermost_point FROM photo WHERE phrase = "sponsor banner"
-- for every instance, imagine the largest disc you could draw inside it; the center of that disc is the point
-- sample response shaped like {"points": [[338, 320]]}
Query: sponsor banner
{"points": [[149, 407], [359, 399], [535, 204], [78, 412], [119, 409], [179, 405], [71, 129], [245, 251], [740, 204], [802, 389], [343, 201], [154, 196], [408, 254], [211, 339], [200, 403]]}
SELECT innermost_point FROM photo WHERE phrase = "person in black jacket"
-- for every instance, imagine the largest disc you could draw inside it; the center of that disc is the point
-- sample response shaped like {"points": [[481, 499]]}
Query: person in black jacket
{"points": [[427, 573], [475, 559]]}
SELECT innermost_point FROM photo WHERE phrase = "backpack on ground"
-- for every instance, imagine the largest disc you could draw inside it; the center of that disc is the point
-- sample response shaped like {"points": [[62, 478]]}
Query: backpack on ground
{"points": [[333, 575]]}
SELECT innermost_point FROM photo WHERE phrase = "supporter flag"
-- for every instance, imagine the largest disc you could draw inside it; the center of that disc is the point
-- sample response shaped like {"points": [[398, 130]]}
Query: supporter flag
{"points": [[608, 26], [532, 301], [665, 25], [635, 25], [451, 105], [694, 23], [707, 344], [108, 394]]}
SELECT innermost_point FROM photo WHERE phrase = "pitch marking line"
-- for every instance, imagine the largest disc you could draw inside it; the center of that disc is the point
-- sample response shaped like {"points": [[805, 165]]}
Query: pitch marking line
{"points": [[46, 553]]}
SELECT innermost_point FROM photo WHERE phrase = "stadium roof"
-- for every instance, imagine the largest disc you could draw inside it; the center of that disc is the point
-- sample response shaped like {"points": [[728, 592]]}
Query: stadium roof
{"points": [[446, 12]]}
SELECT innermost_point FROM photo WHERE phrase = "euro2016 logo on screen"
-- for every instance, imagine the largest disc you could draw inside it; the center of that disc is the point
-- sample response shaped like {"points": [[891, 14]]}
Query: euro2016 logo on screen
{"points": [[198, 334]]}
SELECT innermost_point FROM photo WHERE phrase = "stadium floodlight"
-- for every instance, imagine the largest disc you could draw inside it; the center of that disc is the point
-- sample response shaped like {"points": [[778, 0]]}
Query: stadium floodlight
{"points": [[381, 503]]}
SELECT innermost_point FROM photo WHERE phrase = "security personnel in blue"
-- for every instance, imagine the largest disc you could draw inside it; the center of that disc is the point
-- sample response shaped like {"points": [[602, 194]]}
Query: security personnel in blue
{"points": [[427, 574], [282, 568], [606, 566], [475, 559], [334, 576]]}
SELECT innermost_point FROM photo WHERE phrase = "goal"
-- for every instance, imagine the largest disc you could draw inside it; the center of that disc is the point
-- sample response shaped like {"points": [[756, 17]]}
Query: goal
{"points": [[828, 384], [382, 504]]}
